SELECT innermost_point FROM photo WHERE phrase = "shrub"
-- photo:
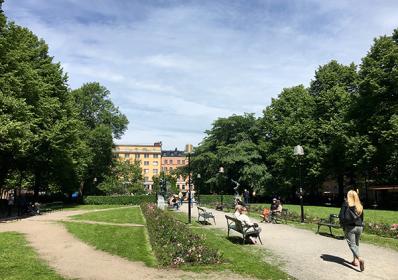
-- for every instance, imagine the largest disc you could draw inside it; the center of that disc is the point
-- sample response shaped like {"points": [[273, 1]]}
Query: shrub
{"points": [[120, 200], [214, 199], [173, 242]]}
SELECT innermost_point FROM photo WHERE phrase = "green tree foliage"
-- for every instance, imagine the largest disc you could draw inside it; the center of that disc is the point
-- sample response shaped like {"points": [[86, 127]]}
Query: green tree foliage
{"points": [[49, 136], [288, 122], [125, 179], [376, 107], [232, 144]]}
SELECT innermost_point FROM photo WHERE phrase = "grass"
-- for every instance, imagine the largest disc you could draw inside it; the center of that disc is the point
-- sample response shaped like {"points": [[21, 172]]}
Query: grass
{"points": [[130, 215], [246, 260], [19, 261], [370, 215], [89, 207], [128, 242]]}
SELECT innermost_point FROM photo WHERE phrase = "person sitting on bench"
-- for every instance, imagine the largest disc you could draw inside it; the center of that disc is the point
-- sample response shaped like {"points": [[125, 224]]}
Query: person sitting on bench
{"points": [[247, 222], [276, 209], [266, 215]]}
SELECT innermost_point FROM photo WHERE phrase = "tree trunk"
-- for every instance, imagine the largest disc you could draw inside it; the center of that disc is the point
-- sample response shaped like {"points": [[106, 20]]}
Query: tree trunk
{"points": [[340, 183]]}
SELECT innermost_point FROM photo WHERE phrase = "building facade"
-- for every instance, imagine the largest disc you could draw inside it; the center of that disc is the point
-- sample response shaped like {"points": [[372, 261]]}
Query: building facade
{"points": [[149, 157], [171, 160]]}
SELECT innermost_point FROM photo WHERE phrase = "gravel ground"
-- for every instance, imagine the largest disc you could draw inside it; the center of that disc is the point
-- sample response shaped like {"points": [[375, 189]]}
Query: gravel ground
{"points": [[306, 255]]}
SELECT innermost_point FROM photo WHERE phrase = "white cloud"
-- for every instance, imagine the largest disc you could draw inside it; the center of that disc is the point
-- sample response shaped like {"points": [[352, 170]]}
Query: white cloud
{"points": [[174, 67]]}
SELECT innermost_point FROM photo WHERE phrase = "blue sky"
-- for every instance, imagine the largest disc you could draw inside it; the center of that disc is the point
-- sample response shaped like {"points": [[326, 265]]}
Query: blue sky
{"points": [[173, 67]]}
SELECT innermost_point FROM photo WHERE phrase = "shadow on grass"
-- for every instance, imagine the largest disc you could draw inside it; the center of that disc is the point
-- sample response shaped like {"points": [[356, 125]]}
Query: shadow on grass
{"points": [[335, 259], [331, 235]]}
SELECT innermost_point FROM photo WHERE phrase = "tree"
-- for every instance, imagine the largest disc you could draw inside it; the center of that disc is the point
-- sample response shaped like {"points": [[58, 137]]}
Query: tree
{"points": [[333, 90], [287, 122], [102, 121], [375, 109], [125, 179], [232, 144]]}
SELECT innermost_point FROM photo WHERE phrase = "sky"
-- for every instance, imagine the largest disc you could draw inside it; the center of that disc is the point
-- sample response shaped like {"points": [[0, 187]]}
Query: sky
{"points": [[174, 67]]}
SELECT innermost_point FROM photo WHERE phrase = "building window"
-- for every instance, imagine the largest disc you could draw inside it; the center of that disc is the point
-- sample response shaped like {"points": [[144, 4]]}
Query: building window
{"points": [[146, 155], [155, 163], [165, 161], [171, 161], [146, 179], [146, 162], [146, 171], [137, 155], [155, 156], [171, 168], [178, 161], [127, 155], [155, 171]]}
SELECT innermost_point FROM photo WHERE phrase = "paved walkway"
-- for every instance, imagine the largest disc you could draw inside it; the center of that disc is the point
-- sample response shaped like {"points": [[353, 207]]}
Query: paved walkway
{"points": [[306, 255], [74, 259]]}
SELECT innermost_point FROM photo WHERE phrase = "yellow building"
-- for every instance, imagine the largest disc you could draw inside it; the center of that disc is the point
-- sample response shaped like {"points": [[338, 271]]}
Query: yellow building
{"points": [[149, 157]]}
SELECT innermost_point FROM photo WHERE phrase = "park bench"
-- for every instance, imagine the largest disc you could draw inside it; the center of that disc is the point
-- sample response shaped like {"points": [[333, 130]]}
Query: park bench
{"points": [[51, 206], [281, 218], [205, 215], [238, 226], [331, 222]]}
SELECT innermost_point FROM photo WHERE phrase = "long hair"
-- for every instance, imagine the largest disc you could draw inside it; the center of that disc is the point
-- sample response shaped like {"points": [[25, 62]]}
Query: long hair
{"points": [[353, 200]]}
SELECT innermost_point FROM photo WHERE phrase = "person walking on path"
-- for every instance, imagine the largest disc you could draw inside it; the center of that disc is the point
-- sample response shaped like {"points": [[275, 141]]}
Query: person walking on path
{"points": [[246, 195], [351, 219]]}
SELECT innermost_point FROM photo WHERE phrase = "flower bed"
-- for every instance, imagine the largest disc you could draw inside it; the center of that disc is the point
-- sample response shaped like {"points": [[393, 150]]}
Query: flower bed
{"points": [[173, 242]]}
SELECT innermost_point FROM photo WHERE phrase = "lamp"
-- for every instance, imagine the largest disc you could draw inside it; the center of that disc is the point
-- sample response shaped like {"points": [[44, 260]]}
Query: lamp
{"points": [[221, 171], [299, 151], [188, 151], [198, 176]]}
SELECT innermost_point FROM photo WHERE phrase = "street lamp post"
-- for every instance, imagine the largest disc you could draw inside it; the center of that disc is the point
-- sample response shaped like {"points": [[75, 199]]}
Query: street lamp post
{"points": [[221, 171], [188, 151], [198, 176], [299, 151]]}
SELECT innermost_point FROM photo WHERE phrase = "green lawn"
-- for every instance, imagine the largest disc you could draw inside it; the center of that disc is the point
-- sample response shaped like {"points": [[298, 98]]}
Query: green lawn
{"points": [[128, 242], [316, 212], [242, 259], [90, 207], [131, 215], [19, 261]]}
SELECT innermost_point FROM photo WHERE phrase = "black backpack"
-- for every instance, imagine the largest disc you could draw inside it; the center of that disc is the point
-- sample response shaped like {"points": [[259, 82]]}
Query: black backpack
{"points": [[347, 216]]}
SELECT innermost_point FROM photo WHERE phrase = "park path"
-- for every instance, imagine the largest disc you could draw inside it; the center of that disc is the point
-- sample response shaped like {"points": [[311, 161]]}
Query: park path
{"points": [[306, 255], [74, 259]]}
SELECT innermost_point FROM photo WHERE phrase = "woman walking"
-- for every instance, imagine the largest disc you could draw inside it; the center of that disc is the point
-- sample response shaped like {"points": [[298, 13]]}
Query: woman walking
{"points": [[351, 219]]}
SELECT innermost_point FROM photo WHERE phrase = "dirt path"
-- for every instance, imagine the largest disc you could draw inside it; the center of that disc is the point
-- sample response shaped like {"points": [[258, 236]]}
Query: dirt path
{"points": [[306, 255], [74, 259]]}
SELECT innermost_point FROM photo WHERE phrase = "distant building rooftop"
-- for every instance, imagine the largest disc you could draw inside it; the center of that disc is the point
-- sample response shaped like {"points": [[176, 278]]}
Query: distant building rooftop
{"points": [[173, 153]]}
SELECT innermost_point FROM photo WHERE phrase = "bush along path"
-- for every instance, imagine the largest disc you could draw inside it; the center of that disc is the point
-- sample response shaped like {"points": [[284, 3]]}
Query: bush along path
{"points": [[306, 255], [71, 258]]}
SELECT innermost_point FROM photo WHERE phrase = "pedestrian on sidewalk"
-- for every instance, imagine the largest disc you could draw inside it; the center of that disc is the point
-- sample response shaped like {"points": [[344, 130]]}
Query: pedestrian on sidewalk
{"points": [[351, 219]]}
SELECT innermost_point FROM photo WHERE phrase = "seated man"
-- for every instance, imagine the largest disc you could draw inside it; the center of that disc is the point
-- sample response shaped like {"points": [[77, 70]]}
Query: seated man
{"points": [[276, 209], [254, 230]]}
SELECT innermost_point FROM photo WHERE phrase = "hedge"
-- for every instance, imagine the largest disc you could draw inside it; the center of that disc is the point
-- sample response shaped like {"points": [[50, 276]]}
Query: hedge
{"points": [[173, 241], [119, 200], [213, 199]]}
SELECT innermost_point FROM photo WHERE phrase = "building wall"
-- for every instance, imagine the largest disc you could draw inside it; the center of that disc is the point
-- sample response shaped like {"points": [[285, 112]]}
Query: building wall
{"points": [[170, 163], [149, 157]]}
